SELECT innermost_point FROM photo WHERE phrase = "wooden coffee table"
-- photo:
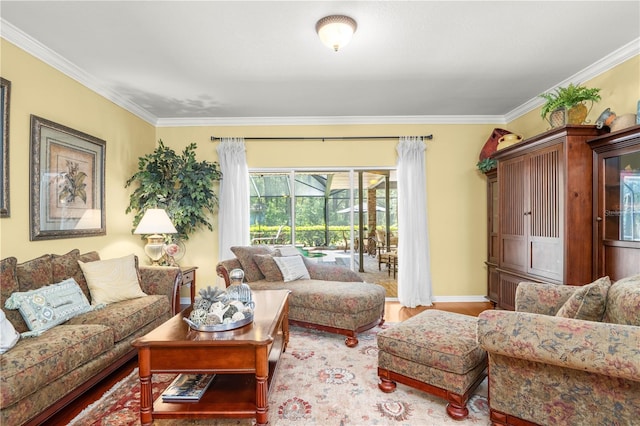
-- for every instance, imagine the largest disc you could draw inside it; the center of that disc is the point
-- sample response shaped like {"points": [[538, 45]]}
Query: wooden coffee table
{"points": [[244, 361]]}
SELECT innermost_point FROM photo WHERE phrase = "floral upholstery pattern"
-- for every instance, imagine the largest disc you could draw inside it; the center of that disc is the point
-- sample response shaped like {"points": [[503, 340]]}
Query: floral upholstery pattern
{"points": [[334, 296], [249, 266], [41, 370], [557, 371], [623, 302], [268, 267], [434, 347], [587, 302], [331, 303]]}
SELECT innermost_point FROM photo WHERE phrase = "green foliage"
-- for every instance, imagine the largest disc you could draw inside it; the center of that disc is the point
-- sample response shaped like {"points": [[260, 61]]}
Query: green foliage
{"points": [[177, 183], [487, 164], [566, 97]]}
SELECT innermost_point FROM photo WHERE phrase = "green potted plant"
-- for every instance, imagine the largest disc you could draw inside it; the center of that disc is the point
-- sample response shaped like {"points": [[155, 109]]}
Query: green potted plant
{"points": [[179, 184], [566, 105]]}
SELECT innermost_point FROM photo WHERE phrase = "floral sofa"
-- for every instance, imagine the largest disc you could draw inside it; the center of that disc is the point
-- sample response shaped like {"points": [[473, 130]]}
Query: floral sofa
{"points": [[327, 297], [567, 355], [43, 373]]}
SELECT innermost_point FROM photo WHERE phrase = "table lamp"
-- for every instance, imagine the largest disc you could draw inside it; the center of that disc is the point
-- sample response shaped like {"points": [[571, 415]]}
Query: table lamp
{"points": [[153, 223]]}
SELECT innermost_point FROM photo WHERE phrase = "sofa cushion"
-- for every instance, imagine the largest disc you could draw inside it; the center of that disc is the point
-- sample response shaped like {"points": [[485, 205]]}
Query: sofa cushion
{"points": [[623, 302], [268, 267], [112, 280], [587, 302], [249, 266], [35, 361], [35, 273], [49, 306], [126, 317], [66, 266], [292, 268], [9, 285]]}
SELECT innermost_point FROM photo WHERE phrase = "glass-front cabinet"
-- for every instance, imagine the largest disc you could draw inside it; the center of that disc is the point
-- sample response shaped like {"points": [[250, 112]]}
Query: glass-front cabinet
{"points": [[617, 203]]}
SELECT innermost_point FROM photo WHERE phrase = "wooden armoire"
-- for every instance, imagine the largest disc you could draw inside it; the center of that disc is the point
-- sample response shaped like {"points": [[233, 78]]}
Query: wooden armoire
{"points": [[545, 213]]}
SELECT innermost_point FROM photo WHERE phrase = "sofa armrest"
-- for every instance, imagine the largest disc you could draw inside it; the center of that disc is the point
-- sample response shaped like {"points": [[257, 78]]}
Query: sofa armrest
{"points": [[225, 266], [328, 272], [160, 280], [538, 298], [601, 348]]}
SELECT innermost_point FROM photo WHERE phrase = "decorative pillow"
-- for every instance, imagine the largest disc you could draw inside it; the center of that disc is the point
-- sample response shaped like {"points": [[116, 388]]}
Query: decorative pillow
{"points": [[49, 306], [8, 335], [249, 266], [268, 267], [112, 280], [587, 302], [35, 273], [292, 268], [623, 301], [285, 251]]}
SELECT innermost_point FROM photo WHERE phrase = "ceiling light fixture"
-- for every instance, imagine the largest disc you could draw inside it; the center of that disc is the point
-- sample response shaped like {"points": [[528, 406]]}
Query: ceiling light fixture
{"points": [[335, 31]]}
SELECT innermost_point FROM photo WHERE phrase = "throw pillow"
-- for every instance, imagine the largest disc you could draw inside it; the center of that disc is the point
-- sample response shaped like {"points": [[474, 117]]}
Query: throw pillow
{"points": [[287, 251], [8, 335], [112, 280], [588, 302], [249, 266], [35, 273], [292, 268], [268, 267], [9, 281], [49, 306]]}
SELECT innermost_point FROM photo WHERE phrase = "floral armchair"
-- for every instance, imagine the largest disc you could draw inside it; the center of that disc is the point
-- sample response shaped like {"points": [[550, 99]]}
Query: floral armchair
{"points": [[567, 355]]}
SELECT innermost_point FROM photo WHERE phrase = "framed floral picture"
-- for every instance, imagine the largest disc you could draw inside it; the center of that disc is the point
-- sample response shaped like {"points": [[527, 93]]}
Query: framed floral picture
{"points": [[67, 182], [5, 96]]}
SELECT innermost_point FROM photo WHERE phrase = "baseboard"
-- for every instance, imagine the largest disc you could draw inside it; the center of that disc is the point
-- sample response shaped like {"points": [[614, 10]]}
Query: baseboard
{"points": [[463, 299]]}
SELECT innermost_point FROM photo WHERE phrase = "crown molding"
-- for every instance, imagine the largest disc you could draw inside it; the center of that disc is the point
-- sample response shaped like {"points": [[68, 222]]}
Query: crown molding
{"points": [[52, 58], [610, 61], [332, 120], [57, 61]]}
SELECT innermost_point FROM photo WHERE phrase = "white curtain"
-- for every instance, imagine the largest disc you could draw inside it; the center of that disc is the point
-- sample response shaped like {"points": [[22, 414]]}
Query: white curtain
{"points": [[233, 212], [414, 269]]}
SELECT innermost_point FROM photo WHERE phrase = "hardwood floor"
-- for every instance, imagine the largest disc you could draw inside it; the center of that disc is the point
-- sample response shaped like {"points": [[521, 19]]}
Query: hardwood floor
{"points": [[393, 312]]}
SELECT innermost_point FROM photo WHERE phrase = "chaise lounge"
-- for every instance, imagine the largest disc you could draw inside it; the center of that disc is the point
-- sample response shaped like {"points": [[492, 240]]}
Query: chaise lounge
{"points": [[331, 298]]}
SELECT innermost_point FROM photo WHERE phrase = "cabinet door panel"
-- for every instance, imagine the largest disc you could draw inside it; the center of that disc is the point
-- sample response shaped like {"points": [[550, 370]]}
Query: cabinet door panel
{"points": [[546, 258], [513, 240], [545, 227]]}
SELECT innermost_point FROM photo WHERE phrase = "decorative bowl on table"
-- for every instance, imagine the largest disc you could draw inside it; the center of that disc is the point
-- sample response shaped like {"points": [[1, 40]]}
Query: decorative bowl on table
{"points": [[213, 310]]}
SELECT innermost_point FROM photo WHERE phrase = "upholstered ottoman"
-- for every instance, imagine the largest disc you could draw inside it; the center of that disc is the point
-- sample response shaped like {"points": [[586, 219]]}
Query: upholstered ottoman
{"points": [[436, 352]]}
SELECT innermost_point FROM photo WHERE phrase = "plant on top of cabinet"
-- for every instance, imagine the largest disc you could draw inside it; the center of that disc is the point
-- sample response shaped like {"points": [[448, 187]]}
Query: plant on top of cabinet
{"points": [[177, 183], [566, 105]]}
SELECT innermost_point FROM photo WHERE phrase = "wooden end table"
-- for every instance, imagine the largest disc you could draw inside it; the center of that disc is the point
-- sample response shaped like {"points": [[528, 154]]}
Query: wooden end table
{"points": [[244, 361]]}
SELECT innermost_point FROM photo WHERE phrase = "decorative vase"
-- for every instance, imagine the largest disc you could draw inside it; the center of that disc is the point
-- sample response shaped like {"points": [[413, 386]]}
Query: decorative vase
{"points": [[577, 114], [508, 140], [556, 118]]}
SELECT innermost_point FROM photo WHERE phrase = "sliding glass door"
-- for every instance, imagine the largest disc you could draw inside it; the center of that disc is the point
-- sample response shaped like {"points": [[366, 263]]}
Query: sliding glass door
{"points": [[339, 215]]}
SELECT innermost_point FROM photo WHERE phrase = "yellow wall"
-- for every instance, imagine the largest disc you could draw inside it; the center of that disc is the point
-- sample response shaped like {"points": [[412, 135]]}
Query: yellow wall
{"points": [[456, 190], [37, 88], [620, 91]]}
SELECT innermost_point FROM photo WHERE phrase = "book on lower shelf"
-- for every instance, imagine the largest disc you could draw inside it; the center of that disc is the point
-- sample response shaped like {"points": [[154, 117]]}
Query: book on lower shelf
{"points": [[187, 387]]}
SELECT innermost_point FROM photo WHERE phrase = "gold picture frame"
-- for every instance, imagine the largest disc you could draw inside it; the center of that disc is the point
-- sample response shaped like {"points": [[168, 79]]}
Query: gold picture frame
{"points": [[67, 182]]}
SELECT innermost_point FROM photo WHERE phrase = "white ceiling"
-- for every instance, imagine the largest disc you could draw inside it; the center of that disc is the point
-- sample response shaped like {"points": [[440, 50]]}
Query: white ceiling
{"points": [[261, 61]]}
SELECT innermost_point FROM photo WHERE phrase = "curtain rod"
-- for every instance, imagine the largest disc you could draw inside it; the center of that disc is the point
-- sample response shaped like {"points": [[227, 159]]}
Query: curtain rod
{"points": [[215, 138]]}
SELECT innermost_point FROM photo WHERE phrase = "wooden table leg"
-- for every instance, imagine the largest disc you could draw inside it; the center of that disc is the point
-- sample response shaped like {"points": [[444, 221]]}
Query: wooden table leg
{"points": [[262, 386], [146, 395]]}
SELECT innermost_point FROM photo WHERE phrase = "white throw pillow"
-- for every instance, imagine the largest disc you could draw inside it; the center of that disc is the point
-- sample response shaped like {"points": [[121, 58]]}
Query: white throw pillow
{"points": [[8, 335], [112, 280], [292, 268], [285, 251]]}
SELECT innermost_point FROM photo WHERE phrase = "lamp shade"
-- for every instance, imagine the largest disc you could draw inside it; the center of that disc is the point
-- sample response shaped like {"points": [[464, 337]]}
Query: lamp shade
{"points": [[335, 31], [155, 221]]}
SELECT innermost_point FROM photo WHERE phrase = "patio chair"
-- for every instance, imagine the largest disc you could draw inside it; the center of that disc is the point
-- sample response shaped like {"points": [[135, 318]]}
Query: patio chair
{"points": [[269, 240]]}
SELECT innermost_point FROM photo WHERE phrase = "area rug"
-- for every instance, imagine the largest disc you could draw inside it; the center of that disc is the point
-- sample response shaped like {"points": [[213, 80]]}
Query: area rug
{"points": [[319, 381]]}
